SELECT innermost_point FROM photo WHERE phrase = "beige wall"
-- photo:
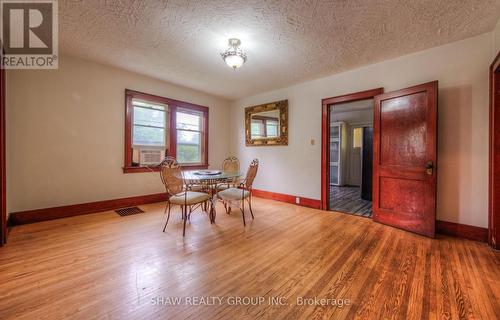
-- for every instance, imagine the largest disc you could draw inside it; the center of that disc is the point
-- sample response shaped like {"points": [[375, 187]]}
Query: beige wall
{"points": [[65, 134], [462, 71]]}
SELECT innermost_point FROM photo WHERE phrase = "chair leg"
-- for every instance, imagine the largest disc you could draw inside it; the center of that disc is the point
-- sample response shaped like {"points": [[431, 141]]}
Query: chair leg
{"points": [[243, 211], [168, 216], [184, 213], [250, 206], [211, 214]]}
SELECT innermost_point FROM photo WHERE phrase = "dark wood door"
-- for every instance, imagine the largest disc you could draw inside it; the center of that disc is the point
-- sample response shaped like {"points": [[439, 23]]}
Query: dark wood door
{"points": [[405, 155], [3, 192], [367, 167], [494, 183]]}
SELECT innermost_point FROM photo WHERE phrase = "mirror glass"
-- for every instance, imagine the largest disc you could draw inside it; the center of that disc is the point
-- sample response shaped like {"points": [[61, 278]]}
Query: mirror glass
{"points": [[265, 124]]}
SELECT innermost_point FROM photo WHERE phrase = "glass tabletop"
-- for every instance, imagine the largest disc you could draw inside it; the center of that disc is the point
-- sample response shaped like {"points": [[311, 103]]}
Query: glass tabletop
{"points": [[195, 175]]}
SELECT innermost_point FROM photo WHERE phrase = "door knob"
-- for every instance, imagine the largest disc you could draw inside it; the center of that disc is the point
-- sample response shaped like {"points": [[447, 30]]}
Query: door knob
{"points": [[429, 166]]}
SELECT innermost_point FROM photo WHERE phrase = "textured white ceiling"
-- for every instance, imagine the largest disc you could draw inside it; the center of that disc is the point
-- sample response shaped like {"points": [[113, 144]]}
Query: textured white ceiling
{"points": [[286, 41], [366, 104]]}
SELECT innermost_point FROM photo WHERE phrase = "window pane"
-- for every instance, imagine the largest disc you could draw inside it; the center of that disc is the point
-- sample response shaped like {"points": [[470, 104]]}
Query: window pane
{"points": [[149, 117], [188, 121], [188, 147], [272, 128], [139, 103], [335, 132], [334, 151], [334, 174], [357, 137], [149, 136], [257, 129]]}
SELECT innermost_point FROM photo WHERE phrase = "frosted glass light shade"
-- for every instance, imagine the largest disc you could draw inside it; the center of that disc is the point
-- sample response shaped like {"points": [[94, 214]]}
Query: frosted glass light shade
{"points": [[234, 57], [234, 61]]}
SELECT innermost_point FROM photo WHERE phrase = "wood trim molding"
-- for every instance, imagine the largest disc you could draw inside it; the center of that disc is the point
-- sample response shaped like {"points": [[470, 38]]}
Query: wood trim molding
{"points": [[305, 202], [462, 231], [3, 172], [38, 215], [442, 227], [325, 135], [168, 101], [494, 156], [157, 169], [361, 95]]}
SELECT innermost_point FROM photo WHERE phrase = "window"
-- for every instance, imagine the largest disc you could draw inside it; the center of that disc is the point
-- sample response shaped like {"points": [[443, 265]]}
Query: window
{"points": [[157, 126], [264, 127], [357, 137], [257, 129], [272, 128], [189, 136], [150, 124]]}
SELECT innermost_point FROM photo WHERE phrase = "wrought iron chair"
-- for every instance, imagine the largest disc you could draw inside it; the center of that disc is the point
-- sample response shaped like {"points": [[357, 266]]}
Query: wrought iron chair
{"points": [[231, 164], [178, 193], [242, 192]]}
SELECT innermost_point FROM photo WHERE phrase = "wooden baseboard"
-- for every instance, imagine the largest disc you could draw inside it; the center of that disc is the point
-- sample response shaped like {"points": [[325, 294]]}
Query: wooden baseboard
{"points": [[305, 202], [442, 227], [462, 231], [37, 215]]}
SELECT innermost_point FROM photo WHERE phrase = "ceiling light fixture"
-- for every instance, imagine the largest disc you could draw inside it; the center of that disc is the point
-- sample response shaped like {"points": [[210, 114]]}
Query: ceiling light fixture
{"points": [[234, 56]]}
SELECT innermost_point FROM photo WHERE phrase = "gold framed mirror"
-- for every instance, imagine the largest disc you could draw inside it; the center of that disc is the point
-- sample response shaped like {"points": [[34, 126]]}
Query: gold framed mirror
{"points": [[267, 124]]}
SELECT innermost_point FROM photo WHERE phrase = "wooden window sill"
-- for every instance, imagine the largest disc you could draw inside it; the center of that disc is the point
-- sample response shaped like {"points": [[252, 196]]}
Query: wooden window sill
{"points": [[156, 169]]}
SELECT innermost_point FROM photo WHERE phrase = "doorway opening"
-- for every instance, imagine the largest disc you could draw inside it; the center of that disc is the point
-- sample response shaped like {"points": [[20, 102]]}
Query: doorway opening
{"points": [[404, 155], [346, 163], [351, 157]]}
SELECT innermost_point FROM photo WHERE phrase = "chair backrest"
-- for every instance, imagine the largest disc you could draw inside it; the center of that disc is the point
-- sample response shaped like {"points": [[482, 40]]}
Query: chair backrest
{"points": [[251, 173], [171, 175], [231, 164]]}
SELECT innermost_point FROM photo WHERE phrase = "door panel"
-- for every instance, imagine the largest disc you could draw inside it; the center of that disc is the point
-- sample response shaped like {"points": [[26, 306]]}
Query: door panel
{"points": [[403, 123], [405, 144]]}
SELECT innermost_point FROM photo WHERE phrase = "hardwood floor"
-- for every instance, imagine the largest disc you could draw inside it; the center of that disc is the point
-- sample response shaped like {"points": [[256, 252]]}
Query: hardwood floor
{"points": [[348, 200], [103, 266]]}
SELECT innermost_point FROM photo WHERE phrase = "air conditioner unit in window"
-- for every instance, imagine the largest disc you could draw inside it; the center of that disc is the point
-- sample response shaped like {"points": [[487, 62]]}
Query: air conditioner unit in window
{"points": [[151, 156]]}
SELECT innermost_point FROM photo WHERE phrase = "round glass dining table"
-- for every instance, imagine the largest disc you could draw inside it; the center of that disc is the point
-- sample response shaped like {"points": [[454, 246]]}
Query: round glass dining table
{"points": [[209, 182]]}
